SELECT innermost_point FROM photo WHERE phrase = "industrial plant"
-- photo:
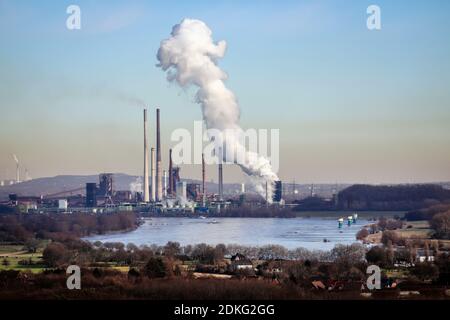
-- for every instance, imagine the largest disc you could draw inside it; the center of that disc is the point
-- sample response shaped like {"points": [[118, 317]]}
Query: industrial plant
{"points": [[162, 192]]}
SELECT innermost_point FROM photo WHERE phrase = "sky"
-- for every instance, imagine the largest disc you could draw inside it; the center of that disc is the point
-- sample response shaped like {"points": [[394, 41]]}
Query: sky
{"points": [[352, 105]]}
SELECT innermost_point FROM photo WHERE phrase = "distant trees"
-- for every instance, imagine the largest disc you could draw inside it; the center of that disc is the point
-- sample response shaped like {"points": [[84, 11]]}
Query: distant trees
{"points": [[155, 268], [204, 253], [5, 262], [362, 234], [55, 254], [389, 224], [21, 228], [425, 271], [441, 224], [377, 255], [172, 249], [347, 256], [399, 197], [299, 273], [31, 245], [390, 236], [427, 213]]}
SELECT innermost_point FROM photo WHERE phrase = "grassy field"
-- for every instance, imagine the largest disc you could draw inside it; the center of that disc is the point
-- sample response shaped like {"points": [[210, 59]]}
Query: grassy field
{"points": [[15, 257], [416, 230]]}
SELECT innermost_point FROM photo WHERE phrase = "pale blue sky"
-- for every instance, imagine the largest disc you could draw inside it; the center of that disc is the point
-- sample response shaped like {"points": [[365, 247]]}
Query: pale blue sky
{"points": [[352, 105]]}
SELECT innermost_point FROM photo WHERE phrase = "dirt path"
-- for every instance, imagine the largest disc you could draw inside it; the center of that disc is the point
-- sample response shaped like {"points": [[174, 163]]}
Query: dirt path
{"points": [[12, 254]]}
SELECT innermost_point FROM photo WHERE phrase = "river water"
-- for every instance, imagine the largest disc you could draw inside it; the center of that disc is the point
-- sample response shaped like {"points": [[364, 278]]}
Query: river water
{"points": [[292, 233]]}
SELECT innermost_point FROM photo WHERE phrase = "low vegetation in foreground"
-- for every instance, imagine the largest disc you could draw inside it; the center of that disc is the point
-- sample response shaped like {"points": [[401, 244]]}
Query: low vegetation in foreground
{"points": [[34, 262]]}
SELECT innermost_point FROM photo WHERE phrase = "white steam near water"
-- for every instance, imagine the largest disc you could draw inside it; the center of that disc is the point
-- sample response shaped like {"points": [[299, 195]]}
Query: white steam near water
{"points": [[190, 58]]}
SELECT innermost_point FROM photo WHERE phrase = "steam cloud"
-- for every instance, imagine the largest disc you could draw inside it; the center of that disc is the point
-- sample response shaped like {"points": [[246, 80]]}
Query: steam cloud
{"points": [[136, 186], [190, 57]]}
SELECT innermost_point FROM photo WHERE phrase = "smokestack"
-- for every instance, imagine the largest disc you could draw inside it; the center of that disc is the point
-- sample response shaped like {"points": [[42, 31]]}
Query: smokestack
{"points": [[203, 179], [165, 184], [17, 168], [158, 159], [153, 175], [146, 195], [220, 175], [171, 182]]}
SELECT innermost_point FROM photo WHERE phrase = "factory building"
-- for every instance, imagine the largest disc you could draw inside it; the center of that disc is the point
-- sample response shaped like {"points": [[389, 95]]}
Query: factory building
{"points": [[62, 204], [105, 186], [278, 191], [194, 191], [181, 190], [123, 196], [91, 195]]}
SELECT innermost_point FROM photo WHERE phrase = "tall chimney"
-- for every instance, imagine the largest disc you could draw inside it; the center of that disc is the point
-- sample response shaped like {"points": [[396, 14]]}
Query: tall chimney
{"points": [[153, 175], [203, 179], [146, 189], [165, 184], [220, 176], [171, 180], [158, 159], [17, 173]]}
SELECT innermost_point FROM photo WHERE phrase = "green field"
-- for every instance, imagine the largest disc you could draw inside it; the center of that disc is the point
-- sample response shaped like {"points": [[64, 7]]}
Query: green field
{"points": [[15, 257], [416, 230]]}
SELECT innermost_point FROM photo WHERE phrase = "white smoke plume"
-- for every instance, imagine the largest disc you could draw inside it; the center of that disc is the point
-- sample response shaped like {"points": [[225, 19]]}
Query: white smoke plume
{"points": [[190, 58], [15, 158], [136, 186]]}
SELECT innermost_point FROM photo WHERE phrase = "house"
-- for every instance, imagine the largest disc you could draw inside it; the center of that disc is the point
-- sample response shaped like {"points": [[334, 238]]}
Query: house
{"points": [[237, 257], [240, 262], [424, 256]]}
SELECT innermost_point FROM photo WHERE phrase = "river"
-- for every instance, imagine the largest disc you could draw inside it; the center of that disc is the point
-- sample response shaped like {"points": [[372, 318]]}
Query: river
{"points": [[292, 233]]}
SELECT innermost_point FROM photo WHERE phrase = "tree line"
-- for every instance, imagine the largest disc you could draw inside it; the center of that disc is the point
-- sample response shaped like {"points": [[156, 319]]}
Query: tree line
{"points": [[20, 228]]}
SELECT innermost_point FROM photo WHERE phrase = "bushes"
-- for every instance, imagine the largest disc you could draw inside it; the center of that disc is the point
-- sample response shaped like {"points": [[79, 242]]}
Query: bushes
{"points": [[377, 255], [390, 236], [441, 224], [362, 234], [55, 254], [155, 268], [425, 271]]}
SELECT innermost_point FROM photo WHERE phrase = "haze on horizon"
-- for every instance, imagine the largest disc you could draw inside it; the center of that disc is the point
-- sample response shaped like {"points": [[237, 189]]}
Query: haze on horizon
{"points": [[352, 105]]}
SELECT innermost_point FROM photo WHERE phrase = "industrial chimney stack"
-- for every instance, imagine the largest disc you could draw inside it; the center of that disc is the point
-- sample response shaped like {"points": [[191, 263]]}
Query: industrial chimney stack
{"points": [[17, 168], [158, 159], [220, 175], [146, 189], [153, 197], [203, 179], [171, 180]]}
